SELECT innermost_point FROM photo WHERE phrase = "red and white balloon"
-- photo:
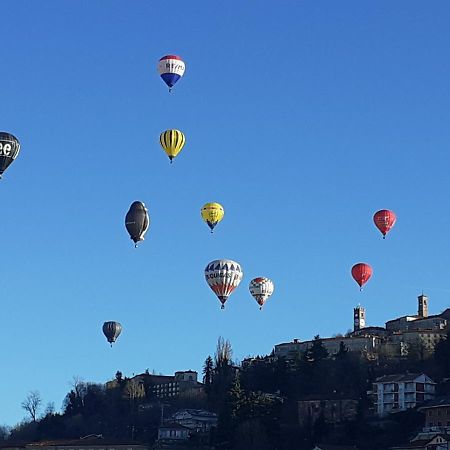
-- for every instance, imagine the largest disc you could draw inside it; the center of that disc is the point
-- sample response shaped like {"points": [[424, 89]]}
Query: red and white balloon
{"points": [[361, 273], [384, 220], [261, 289]]}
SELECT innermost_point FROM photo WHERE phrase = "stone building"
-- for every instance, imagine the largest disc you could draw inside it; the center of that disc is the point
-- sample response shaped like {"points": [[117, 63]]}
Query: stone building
{"points": [[333, 410]]}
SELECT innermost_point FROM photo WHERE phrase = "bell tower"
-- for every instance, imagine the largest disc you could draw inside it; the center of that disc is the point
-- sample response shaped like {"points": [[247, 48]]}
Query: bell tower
{"points": [[423, 306], [359, 318]]}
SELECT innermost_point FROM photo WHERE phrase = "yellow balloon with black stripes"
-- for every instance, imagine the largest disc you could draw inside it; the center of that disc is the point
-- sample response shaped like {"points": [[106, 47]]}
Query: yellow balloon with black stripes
{"points": [[172, 141], [212, 214]]}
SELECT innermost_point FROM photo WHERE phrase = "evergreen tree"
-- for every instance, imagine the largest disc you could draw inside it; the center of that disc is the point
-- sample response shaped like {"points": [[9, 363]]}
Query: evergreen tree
{"points": [[342, 352], [442, 355], [208, 368], [236, 397], [317, 351]]}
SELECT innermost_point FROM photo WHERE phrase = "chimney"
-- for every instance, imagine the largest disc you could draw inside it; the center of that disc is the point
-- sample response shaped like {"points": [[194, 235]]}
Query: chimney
{"points": [[423, 305]]}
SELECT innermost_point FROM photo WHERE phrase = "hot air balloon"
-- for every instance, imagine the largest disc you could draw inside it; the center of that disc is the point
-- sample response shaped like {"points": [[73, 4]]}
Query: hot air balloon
{"points": [[172, 141], [223, 277], [112, 331], [261, 288], [9, 149], [384, 220], [137, 221], [212, 214], [171, 68], [361, 273]]}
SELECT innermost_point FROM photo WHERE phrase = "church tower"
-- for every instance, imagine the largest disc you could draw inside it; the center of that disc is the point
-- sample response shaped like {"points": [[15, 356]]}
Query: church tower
{"points": [[359, 318], [423, 305]]}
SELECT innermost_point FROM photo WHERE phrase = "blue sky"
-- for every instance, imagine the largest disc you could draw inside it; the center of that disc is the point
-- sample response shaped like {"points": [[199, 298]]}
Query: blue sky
{"points": [[302, 118]]}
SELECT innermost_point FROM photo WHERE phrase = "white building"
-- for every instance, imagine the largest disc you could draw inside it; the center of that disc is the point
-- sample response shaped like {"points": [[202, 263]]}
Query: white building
{"points": [[393, 393], [197, 420], [173, 432], [353, 344]]}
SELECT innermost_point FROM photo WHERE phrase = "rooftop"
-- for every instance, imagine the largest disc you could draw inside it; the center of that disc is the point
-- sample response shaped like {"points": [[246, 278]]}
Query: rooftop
{"points": [[398, 378]]}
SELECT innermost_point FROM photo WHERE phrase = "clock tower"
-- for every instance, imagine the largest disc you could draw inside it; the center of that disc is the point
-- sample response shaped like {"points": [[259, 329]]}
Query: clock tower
{"points": [[359, 318]]}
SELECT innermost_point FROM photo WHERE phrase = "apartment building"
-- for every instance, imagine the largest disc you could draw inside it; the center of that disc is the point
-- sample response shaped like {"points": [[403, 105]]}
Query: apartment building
{"points": [[392, 393]]}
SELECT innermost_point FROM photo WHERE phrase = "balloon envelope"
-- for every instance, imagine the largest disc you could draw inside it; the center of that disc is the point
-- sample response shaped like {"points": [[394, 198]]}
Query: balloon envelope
{"points": [[212, 214], [361, 273], [171, 68], [223, 277], [9, 149], [384, 220], [172, 142], [112, 331], [261, 289], [137, 221]]}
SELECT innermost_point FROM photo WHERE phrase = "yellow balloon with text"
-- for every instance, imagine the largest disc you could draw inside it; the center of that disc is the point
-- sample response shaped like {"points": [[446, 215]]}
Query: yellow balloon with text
{"points": [[212, 214]]}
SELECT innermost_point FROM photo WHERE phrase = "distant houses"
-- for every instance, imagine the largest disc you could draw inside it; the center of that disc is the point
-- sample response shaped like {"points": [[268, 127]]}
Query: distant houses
{"points": [[162, 386], [435, 434], [400, 337], [185, 424]]}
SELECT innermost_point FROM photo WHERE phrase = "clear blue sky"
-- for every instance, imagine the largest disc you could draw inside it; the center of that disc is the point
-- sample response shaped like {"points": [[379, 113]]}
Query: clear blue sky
{"points": [[301, 117]]}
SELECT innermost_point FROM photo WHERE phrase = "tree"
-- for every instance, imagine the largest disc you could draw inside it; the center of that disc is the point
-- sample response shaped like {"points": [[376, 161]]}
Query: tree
{"points": [[417, 350], [343, 350], [222, 378], [236, 396], [79, 386], [252, 435], [119, 377], [317, 351], [74, 401], [134, 390], [223, 354], [32, 403], [50, 408], [442, 355], [4, 432], [208, 368]]}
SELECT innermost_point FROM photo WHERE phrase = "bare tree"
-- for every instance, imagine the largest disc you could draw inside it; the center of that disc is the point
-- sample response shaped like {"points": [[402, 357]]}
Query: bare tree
{"points": [[79, 387], [223, 354], [32, 404], [4, 432], [50, 409]]}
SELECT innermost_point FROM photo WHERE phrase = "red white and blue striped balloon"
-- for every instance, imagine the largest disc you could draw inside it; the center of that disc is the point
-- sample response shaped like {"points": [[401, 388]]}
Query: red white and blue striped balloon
{"points": [[223, 277], [171, 68]]}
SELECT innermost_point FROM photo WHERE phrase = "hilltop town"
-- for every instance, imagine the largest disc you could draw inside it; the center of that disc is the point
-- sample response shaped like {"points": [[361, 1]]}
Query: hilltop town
{"points": [[374, 388]]}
